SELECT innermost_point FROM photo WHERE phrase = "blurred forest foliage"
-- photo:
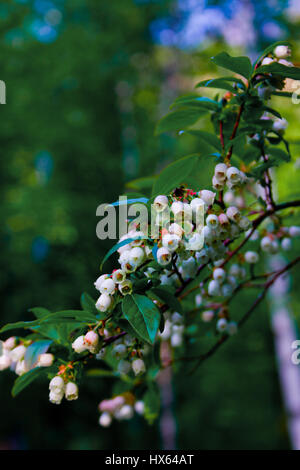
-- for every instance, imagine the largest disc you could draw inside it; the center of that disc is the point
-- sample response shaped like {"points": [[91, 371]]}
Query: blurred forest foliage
{"points": [[86, 83]]}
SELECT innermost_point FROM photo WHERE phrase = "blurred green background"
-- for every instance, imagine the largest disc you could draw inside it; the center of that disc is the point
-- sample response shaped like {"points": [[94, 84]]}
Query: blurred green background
{"points": [[86, 83]]}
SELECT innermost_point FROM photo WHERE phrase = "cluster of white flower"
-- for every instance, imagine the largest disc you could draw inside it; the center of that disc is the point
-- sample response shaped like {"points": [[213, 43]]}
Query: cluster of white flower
{"points": [[279, 55], [230, 176], [59, 389], [173, 329], [120, 407], [13, 356]]}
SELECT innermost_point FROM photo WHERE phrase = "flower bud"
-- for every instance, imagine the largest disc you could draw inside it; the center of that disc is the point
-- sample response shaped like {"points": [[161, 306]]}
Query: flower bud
{"points": [[219, 275], [119, 350], [207, 315], [177, 208], [267, 61], [103, 303], [233, 214], [125, 287], [170, 242], [107, 286], [214, 288], [163, 256], [286, 244], [21, 367], [280, 125], [10, 343], [57, 384], [251, 257], [294, 231], [139, 407], [232, 328], [118, 276], [45, 360], [222, 325], [281, 52], [217, 184], [220, 171], [207, 196], [79, 344], [138, 366], [124, 367], [56, 397], [233, 175], [176, 340], [18, 353], [5, 361], [176, 229], [212, 221], [105, 419], [91, 339], [71, 392], [137, 255], [126, 412], [100, 280], [160, 203]]}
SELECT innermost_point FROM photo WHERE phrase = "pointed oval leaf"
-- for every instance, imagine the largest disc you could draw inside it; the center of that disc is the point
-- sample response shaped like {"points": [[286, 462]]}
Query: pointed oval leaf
{"points": [[143, 315]]}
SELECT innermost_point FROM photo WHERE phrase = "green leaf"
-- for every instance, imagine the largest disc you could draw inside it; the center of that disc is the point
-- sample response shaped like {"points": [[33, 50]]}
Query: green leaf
{"points": [[34, 350], [39, 312], [24, 380], [175, 174], [208, 137], [143, 315], [279, 69], [222, 83], [279, 153], [197, 102], [272, 111], [116, 247], [20, 324], [88, 303], [166, 295], [152, 403], [141, 183], [179, 119], [240, 65]]}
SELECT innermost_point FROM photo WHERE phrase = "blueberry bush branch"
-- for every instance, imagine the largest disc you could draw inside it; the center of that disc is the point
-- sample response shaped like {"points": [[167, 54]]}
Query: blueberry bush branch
{"points": [[208, 246]]}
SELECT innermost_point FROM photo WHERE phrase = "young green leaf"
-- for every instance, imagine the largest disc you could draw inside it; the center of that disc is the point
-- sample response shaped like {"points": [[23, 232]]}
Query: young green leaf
{"points": [[279, 69]]}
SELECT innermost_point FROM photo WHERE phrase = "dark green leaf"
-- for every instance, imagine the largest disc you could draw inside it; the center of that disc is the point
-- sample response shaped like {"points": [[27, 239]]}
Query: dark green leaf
{"points": [[222, 83], [178, 120], [279, 69], [152, 403], [166, 295], [240, 65], [208, 137], [88, 303], [143, 315], [24, 380], [279, 153], [197, 102], [175, 174]]}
